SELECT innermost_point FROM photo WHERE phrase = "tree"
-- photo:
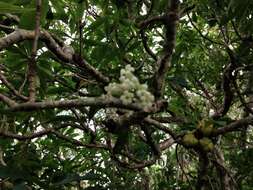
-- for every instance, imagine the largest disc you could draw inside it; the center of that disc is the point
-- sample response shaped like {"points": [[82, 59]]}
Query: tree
{"points": [[114, 94]]}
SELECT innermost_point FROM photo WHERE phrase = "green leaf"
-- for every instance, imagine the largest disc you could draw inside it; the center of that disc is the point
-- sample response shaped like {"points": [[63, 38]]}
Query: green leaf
{"points": [[27, 20], [75, 177], [9, 8], [20, 186]]}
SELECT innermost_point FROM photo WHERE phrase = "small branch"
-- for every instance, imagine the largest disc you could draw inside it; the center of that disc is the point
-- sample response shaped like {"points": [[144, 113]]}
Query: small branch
{"points": [[11, 88], [240, 96], [150, 140], [151, 21], [49, 131], [20, 35], [173, 119], [6, 29], [206, 93], [87, 129], [228, 79], [12, 17], [166, 144], [141, 165], [31, 136], [200, 33], [7, 100], [79, 143], [224, 172], [159, 126], [145, 44], [236, 30], [32, 61], [83, 64]]}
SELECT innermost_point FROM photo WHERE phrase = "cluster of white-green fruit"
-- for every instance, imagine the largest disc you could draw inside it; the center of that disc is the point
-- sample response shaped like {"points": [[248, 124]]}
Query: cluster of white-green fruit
{"points": [[130, 90]]}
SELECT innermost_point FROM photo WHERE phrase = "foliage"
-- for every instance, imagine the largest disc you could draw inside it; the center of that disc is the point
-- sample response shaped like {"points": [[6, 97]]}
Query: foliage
{"points": [[114, 94]]}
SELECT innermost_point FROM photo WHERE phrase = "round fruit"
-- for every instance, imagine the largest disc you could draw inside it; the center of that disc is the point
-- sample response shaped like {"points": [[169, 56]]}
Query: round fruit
{"points": [[190, 140], [206, 144], [205, 127]]}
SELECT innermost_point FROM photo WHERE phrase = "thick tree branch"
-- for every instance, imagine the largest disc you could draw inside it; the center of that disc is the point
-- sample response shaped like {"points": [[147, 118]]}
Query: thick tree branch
{"points": [[234, 126], [202, 171], [163, 62], [20, 35], [74, 103], [32, 61], [7, 100], [228, 81]]}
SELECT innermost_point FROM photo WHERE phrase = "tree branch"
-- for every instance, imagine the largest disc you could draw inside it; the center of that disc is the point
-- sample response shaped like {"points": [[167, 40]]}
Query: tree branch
{"points": [[7, 100], [163, 62], [78, 143], [41, 133], [161, 127], [20, 35], [145, 44], [74, 103], [234, 126], [11, 87]]}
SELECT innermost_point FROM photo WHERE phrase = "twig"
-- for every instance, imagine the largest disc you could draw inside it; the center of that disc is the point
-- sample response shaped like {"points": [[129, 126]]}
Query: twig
{"points": [[44, 132], [173, 119], [145, 44], [6, 29], [207, 94], [79, 143], [244, 103], [200, 33], [11, 87], [84, 127], [144, 164]]}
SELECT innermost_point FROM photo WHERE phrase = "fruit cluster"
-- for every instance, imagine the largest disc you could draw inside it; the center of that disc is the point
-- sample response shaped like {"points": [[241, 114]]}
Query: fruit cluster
{"points": [[200, 136], [130, 90]]}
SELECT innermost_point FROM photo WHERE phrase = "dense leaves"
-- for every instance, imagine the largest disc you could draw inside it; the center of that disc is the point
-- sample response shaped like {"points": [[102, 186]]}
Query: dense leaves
{"points": [[114, 94]]}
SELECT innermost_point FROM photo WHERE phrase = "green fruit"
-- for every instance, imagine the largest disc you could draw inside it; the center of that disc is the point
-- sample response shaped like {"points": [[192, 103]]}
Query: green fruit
{"points": [[205, 127], [190, 140], [206, 144], [207, 130]]}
